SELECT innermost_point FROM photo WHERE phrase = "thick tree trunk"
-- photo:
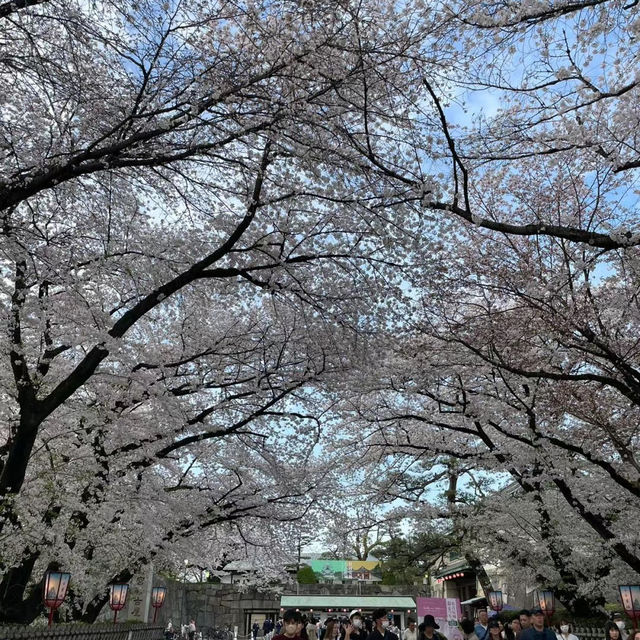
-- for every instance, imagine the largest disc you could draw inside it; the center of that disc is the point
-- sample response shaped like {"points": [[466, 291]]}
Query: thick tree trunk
{"points": [[93, 609], [14, 606], [15, 467], [483, 577]]}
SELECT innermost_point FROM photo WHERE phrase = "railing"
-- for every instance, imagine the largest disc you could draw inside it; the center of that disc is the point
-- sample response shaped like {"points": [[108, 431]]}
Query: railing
{"points": [[217, 633], [589, 633], [82, 632]]}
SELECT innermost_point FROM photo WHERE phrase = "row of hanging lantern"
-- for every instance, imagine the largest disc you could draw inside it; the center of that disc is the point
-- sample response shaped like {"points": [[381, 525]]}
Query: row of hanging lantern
{"points": [[545, 600], [56, 584]]}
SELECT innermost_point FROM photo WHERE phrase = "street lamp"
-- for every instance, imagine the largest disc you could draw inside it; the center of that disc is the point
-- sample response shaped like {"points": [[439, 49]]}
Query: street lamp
{"points": [[630, 597], [495, 600], [158, 595], [547, 602], [117, 598], [54, 590]]}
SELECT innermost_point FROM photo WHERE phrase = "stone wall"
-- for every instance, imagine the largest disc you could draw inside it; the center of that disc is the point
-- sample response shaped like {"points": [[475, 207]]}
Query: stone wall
{"points": [[219, 605], [216, 605]]}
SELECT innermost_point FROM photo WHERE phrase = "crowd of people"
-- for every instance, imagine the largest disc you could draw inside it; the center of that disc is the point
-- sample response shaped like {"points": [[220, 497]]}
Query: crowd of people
{"points": [[528, 625], [186, 631], [378, 626]]}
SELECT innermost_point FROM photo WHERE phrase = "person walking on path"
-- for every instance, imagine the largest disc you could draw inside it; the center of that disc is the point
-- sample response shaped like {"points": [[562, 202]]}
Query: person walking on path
{"points": [[564, 631], [537, 630], [612, 631], [514, 628], [311, 629], [292, 623], [267, 627], [354, 629], [427, 630], [332, 629], [381, 626], [525, 619], [482, 626], [392, 626], [411, 632], [495, 629], [619, 621], [468, 629]]}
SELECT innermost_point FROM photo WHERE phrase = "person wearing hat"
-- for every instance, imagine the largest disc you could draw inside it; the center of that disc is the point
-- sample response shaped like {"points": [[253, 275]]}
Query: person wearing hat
{"points": [[427, 629], [381, 626], [354, 629], [495, 629], [537, 630]]}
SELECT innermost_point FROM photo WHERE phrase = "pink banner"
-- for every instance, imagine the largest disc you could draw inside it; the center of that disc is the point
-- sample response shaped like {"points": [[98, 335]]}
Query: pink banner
{"points": [[447, 613]]}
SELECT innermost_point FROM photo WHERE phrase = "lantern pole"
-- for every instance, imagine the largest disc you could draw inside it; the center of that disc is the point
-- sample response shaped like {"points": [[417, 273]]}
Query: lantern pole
{"points": [[54, 590], [630, 598], [496, 601], [158, 595], [118, 598], [546, 601]]}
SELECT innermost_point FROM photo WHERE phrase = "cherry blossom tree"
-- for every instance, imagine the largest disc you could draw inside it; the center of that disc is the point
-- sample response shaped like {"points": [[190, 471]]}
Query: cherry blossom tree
{"points": [[188, 248], [517, 83], [228, 226], [356, 528], [521, 362], [513, 348]]}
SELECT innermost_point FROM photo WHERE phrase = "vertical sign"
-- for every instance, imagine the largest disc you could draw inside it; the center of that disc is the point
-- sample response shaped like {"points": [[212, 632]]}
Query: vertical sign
{"points": [[140, 594], [446, 611]]}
